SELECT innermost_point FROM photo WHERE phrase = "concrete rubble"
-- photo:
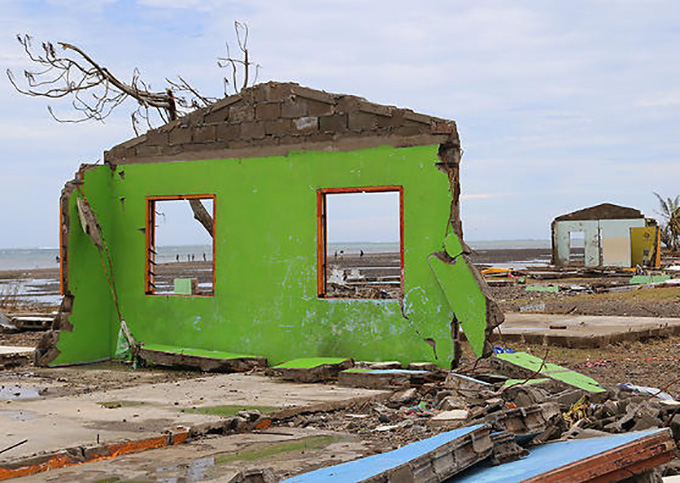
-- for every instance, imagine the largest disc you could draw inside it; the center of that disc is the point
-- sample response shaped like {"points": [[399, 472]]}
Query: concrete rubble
{"points": [[508, 421]]}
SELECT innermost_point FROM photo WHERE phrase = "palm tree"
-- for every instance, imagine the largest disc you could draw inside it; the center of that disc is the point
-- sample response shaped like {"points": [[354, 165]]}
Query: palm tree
{"points": [[670, 229]]}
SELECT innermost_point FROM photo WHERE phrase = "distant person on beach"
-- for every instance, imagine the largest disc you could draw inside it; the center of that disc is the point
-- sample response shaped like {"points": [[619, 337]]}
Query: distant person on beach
{"points": [[361, 253], [177, 257], [204, 257], [57, 257]]}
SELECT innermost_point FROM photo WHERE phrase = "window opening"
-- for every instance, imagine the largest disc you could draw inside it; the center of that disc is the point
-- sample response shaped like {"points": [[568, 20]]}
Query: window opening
{"points": [[361, 243], [577, 250], [180, 246]]}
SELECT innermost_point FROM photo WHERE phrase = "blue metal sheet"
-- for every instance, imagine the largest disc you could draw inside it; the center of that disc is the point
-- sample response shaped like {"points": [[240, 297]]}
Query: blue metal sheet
{"points": [[370, 466], [549, 457]]}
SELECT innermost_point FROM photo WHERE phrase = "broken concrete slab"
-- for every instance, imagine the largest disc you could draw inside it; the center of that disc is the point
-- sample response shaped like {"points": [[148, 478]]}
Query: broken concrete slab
{"points": [[610, 458], [465, 385], [33, 322], [204, 360], [201, 405], [505, 448], [450, 419], [524, 422], [11, 356], [283, 451], [313, 369], [530, 366], [380, 379], [434, 459], [584, 331]]}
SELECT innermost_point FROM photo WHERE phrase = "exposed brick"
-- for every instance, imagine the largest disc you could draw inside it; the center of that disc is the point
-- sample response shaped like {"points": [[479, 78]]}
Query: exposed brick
{"points": [[268, 110], [409, 129], [204, 134], [292, 108], [347, 104], [361, 121], [306, 125], [336, 123], [217, 115], [278, 127], [441, 126], [179, 135], [313, 94], [272, 91], [414, 116], [381, 110], [252, 130], [156, 138], [395, 120], [242, 113], [146, 151], [316, 108], [227, 132]]}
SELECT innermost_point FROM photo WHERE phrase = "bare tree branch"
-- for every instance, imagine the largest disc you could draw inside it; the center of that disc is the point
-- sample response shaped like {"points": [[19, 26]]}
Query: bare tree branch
{"points": [[63, 70], [238, 64], [202, 215]]}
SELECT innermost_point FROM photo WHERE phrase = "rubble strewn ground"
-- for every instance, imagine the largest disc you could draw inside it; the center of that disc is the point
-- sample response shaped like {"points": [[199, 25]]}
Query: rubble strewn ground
{"points": [[307, 439]]}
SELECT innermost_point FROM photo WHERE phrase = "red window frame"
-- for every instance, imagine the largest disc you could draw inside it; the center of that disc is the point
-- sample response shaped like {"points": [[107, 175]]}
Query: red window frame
{"points": [[322, 231], [150, 254]]}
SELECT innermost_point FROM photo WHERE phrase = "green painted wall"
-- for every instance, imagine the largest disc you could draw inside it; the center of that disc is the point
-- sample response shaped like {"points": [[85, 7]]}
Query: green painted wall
{"points": [[265, 299]]}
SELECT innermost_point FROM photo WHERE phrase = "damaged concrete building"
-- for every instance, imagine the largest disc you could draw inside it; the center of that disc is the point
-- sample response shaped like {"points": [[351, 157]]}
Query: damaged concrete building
{"points": [[609, 236], [259, 170]]}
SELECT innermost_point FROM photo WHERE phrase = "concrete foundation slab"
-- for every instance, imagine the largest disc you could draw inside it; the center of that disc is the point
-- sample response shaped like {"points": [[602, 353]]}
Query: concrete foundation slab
{"points": [[148, 411], [584, 331]]}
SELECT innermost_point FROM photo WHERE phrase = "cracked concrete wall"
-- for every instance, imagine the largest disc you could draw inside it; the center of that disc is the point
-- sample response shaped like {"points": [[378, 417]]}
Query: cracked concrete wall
{"points": [[265, 299]]}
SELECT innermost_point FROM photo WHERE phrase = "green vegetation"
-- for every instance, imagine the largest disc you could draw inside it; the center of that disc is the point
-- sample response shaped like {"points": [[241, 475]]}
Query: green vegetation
{"points": [[120, 404], [311, 442], [229, 410]]}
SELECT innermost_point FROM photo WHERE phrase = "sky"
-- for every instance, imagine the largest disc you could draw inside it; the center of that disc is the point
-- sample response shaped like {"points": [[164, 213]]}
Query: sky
{"points": [[559, 105]]}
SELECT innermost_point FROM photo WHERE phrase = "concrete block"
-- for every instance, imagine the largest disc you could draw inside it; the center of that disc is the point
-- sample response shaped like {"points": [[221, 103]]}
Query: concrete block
{"points": [[336, 123], [155, 137], [278, 127], [452, 419], [404, 397], [227, 132], [179, 135], [268, 110], [204, 134], [307, 125], [294, 108], [452, 402], [242, 113], [362, 121], [252, 130]]}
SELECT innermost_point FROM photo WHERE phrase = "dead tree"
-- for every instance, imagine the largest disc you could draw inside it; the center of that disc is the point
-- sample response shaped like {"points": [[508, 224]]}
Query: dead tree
{"points": [[66, 71], [63, 70]]}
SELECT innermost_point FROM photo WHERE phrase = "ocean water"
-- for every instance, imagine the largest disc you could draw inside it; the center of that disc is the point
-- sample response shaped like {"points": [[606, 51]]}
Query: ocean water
{"points": [[32, 258], [28, 258]]}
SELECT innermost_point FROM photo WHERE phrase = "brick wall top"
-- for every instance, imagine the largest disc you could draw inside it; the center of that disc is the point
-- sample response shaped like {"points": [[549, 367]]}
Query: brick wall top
{"points": [[276, 118]]}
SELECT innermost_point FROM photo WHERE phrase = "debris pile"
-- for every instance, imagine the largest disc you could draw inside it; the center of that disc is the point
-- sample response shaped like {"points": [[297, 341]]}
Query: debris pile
{"points": [[525, 402]]}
